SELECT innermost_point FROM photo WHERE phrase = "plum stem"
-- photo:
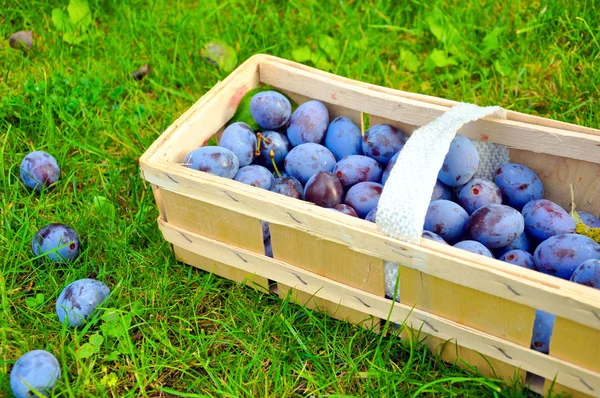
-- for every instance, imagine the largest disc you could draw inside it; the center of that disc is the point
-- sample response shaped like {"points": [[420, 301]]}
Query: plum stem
{"points": [[272, 156]]}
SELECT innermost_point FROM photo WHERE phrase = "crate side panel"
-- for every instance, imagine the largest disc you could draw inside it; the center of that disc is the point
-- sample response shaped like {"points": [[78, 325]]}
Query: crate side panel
{"points": [[220, 269], [557, 173], [560, 389], [576, 343], [331, 260]]}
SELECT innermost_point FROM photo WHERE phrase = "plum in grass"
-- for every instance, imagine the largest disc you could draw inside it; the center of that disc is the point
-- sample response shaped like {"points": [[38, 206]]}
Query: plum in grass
{"points": [[357, 168], [461, 162], [324, 189], [58, 242], [589, 219], [363, 197], [240, 139], [288, 186], [447, 219], [519, 257], [474, 247], [519, 185], [306, 160], [308, 123], [343, 208], [80, 299], [477, 193], [544, 218], [382, 141], [343, 138], [257, 176], [543, 326], [39, 170], [278, 143], [561, 254], [270, 109], [495, 225], [37, 369], [214, 160], [588, 273]]}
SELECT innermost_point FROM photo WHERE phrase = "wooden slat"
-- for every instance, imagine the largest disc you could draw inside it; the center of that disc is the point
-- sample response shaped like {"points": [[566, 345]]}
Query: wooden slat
{"points": [[159, 202], [569, 374], [333, 261], [458, 266], [507, 132], [219, 224]]}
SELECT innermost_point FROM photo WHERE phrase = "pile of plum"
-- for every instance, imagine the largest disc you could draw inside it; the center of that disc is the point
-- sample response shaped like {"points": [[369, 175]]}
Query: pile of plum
{"points": [[39, 370], [300, 153]]}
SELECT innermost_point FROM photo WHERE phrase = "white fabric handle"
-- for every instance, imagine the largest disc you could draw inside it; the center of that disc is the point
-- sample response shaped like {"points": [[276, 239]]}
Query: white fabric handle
{"points": [[404, 201]]}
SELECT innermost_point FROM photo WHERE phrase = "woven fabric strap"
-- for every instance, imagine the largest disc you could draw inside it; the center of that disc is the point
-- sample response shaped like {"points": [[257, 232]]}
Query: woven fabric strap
{"points": [[404, 201]]}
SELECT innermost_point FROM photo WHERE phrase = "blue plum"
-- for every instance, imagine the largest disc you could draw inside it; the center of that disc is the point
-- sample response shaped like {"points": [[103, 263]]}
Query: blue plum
{"points": [[288, 186], [477, 193], [560, 255], [343, 138], [38, 368], [240, 139], [39, 170], [588, 273], [267, 238], [270, 109], [495, 225], [382, 141], [363, 197], [257, 176], [59, 242], [357, 168], [277, 142], [589, 219], [214, 160], [433, 236], [441, 191], [79, 300], [521, 243], [324, 189], [344, 208], [544, 218], [474, 247], [372, 215], [543, 326], [519, 257], [519, 185], [308, 123], [306, 160], [447, 219], [388, 168], [461, 162]]}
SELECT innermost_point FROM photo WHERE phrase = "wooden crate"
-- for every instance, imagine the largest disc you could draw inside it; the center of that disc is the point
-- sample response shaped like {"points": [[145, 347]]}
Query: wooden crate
{"points": [[482, 307]]}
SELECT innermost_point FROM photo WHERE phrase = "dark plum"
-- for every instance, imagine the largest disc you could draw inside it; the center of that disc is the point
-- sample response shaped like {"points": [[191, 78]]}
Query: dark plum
{"points": [[588, 273], [240, 139], [589, 219], [477, 193], [382, 141], [441, 191], [433, 236], [544, 218], [357, 168], [560, 255], [447, 219], [521, 243], [306, 160], [59, 242], [267, 238], [343, 208], [519, 185], [363, 197], [324, 189], [388, 168], [519, 257], [543, 326], [288, 186], [214, 160], [39, 170], [372, 215], [277, 142], [343, 138], [308, 123], [270, 109], [474, 247], [495, 225], [257, 176], [461, 162]]}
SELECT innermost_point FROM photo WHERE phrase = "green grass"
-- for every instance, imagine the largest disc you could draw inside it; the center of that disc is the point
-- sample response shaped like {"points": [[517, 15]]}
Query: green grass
{"points": [[180, 331]]}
